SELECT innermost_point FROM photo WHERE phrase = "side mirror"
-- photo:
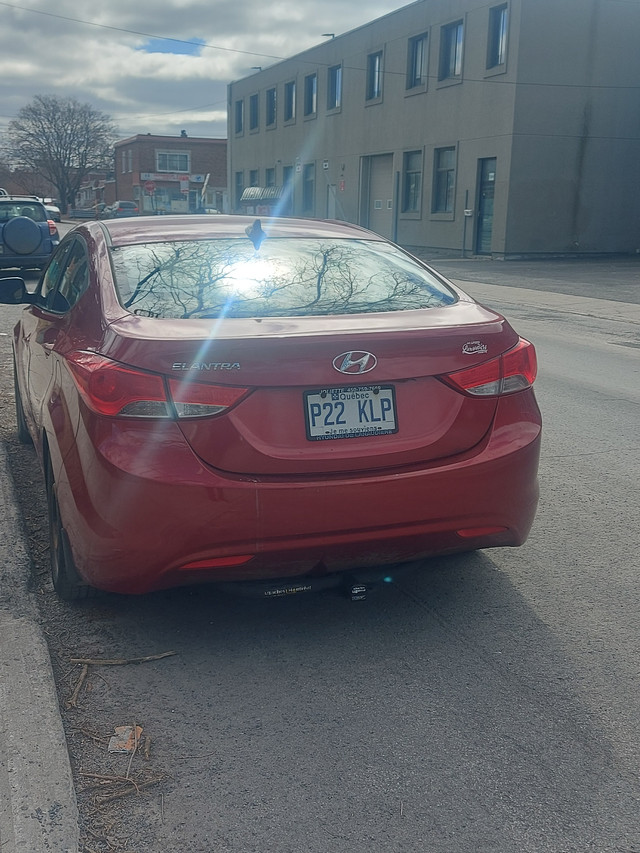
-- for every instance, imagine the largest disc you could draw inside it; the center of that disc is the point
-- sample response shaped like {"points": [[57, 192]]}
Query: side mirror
{"points": [[13, 291]]}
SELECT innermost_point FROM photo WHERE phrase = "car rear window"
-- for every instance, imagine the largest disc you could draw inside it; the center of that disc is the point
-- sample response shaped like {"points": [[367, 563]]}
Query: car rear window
{"points": [[286, 277], [11, 209]]}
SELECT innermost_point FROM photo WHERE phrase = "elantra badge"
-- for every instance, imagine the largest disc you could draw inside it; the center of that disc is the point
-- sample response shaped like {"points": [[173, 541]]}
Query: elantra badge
{"points": [[474, 347], [205, 365], [357, 361]]}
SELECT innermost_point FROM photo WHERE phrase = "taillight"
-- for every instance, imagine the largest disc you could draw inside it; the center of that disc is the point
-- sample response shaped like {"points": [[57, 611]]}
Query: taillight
{"points": [[52, 227], [113, 389], [196, 399], [512, 371]]}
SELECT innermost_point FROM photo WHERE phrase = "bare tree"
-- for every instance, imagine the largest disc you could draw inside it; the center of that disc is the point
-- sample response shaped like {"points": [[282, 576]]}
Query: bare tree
{"points": [[5, 172], [63, 141]]}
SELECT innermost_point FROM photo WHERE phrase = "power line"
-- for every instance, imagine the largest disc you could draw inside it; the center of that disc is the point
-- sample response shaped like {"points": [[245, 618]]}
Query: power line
{"points": [[140, 33]]}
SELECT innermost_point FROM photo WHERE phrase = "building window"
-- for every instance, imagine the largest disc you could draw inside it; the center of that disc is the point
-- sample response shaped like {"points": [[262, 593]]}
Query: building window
{"points": [[497, 47], [290, 100], [451, 51], [172, 161], [271, 103], [412, 182], [308, 187], [334, 87], [374, 75], [254, 177], [310, 94], [270, 177], [417, 62], [127, 161], [239, 117], [239, 187], [444, 180], [253, 112]]}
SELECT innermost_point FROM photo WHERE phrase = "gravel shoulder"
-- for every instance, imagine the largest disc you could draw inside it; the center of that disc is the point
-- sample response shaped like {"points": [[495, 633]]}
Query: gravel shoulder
{"points": [[112, 791]]}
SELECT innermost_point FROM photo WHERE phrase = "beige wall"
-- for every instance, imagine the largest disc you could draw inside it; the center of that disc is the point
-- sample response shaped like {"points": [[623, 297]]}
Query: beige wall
{"points": [[561, 117]]}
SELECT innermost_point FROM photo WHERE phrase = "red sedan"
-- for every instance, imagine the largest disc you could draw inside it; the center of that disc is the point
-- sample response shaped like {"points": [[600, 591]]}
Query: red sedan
{"points": [[288, 402]]}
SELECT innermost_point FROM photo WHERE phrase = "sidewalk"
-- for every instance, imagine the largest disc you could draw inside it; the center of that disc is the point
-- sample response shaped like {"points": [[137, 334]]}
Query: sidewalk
{"points": [[616, 279], [501, 297], [38, 810]]}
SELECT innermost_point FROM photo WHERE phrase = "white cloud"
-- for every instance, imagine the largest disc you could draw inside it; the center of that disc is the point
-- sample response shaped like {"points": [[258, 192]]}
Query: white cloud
{"points": [[95, 53]]}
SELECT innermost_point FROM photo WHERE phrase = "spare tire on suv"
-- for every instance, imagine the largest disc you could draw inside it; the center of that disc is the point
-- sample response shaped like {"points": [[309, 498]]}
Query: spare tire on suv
{"points": [[27, 236], [22, 235]]}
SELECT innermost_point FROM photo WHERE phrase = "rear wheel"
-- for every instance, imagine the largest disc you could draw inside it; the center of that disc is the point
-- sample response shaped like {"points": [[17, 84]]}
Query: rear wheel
{"points": [[66, 581], [23, 433]]}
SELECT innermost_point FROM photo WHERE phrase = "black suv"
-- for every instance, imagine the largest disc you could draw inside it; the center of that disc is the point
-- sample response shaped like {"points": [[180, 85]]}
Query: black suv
{"points": [[27, 235]]}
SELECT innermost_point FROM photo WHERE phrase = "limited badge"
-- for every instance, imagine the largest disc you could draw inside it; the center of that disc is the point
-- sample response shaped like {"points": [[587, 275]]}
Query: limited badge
{"points": [[474, 347]]}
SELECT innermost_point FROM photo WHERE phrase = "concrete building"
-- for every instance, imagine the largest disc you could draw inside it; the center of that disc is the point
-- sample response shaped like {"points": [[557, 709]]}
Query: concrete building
{"points": [[507, 129], [171, 174]]}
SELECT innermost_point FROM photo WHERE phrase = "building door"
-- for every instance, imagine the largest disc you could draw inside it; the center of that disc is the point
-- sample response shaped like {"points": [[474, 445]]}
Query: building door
{"points": [[331, 201], [380, 194], [484, 221]]}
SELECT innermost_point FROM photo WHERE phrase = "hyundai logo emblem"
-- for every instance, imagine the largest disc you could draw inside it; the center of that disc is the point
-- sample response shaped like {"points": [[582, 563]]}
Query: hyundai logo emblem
{"points": [[357, 361]]}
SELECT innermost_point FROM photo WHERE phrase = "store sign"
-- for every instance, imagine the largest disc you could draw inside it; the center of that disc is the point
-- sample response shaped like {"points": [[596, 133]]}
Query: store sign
{"points": [[171, 176]]}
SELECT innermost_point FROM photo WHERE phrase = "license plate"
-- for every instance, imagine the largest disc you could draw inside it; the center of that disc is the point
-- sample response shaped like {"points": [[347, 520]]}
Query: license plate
{"points": [[354, 412]]}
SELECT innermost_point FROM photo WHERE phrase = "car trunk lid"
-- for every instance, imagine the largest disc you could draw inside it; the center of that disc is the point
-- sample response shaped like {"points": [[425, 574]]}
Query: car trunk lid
{"points": [[308, 409]]}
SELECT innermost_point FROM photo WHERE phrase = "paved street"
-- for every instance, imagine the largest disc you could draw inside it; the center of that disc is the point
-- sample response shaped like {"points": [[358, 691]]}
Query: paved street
{"points": [[479, 703]]}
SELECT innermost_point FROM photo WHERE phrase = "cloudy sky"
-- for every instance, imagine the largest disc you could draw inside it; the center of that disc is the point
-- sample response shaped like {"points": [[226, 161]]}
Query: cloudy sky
{"points": [[157, 66]]}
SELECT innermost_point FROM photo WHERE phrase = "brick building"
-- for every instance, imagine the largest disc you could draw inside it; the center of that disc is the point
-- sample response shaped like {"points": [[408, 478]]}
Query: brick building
{"points": [[171, 174]]}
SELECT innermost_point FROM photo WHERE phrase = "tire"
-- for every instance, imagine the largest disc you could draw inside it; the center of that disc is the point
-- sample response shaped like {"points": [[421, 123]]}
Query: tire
{"points": [[24, 436], [66, 581], [22, 235]]}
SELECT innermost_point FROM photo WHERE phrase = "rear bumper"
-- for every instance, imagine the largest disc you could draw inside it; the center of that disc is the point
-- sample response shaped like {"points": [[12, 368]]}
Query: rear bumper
{"points": [[137, 510], [24, 261]]}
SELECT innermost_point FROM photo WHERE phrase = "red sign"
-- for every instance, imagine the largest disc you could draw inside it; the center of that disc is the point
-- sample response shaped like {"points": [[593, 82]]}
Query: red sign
{"points": [[149, 186]]}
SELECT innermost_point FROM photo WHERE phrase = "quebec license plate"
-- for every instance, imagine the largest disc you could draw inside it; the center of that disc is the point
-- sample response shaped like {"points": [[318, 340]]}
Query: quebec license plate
{"points": [[353, 412]]}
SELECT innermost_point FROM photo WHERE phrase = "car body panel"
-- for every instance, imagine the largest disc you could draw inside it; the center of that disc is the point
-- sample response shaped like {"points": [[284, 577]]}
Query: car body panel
{"points": [[150, 503], [364, 521], [265, 432]]}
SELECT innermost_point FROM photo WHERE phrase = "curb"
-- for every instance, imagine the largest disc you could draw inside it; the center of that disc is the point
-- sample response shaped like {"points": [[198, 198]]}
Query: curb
{"points": [[38, 807]]}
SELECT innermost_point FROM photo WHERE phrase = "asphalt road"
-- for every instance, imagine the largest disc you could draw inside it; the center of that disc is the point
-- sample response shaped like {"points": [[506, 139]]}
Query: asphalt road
{"points": [[480, 703]]}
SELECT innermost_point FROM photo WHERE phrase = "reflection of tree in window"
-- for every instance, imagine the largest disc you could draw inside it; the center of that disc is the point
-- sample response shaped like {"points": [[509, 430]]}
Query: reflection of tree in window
{"points": [[285, 278]]}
